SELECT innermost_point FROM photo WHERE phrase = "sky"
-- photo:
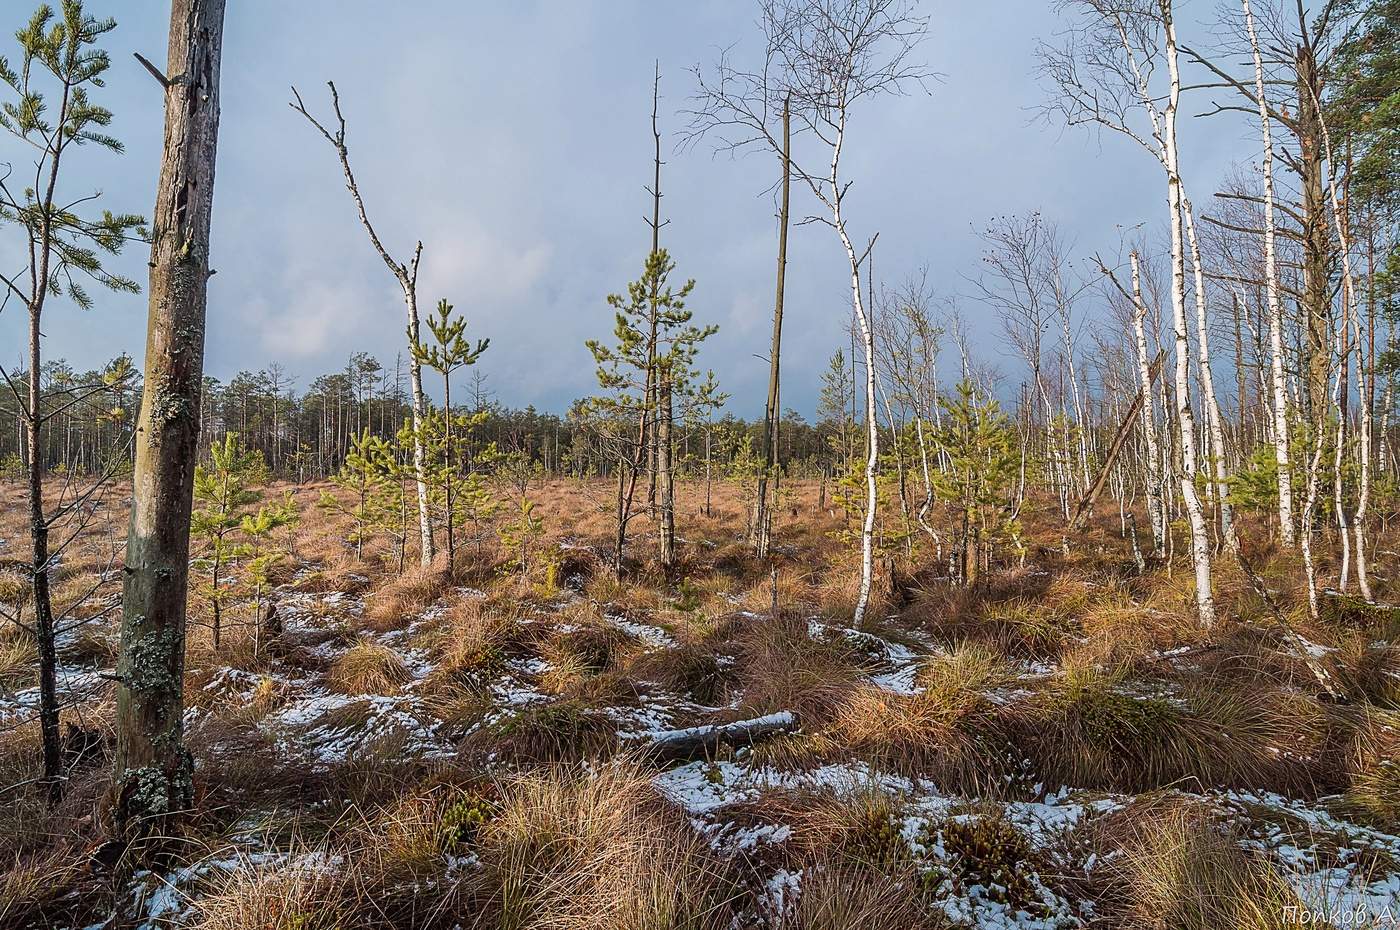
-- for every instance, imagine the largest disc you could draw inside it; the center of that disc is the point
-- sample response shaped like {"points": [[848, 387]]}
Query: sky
{"points": [[514, 140]]}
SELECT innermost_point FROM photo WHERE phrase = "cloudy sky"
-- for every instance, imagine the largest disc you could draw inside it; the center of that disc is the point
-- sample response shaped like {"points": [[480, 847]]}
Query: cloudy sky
{"points": [[513, 139]]}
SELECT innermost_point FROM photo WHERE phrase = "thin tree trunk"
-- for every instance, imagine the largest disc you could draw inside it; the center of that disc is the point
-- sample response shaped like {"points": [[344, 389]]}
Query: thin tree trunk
{"points": [[771, 412], [1156, 506], [1214, 422], [1200, 538], [1275, 308], [153, 769]]}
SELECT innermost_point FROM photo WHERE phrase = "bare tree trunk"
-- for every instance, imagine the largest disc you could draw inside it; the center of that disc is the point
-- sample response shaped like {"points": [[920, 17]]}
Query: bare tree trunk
{"points": [[872, 425], [153, 769], [1156, 506], [39, 572], [1341, 223], [407, 277], [1214, 421], [665, 476], [764, 521]]}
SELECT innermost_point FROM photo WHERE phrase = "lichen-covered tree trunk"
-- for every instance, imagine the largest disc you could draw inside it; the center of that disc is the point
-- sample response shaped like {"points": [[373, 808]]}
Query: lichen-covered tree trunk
{"points": [[153, 769]]}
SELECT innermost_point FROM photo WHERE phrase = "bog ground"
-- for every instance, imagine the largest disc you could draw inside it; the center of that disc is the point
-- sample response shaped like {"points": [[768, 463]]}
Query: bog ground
{"points": [[1060, 747]]}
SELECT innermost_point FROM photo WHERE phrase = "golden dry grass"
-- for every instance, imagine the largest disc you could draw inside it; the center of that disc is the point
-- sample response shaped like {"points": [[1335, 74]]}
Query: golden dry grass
{"points": [[368, 667]]}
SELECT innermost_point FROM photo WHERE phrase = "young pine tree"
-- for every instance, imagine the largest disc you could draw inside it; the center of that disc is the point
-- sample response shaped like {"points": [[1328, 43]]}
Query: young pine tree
{"points": [[656, 345], [224, 493], [451, 351], [980, 445], [365, 476]]}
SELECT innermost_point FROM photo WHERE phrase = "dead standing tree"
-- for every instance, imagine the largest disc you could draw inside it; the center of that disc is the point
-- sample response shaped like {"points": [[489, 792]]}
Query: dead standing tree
{"points": [[821, 58], [153, 770], [407, 277]]}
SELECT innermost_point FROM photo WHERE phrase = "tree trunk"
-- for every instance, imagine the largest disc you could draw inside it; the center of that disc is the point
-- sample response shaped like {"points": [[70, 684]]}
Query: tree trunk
{"points": [[1156, 506], [764, 519], [1275, 308], [153, 769], [1214, 422], [1200, 538], [665, 478], [426, 548], [39, 572]]}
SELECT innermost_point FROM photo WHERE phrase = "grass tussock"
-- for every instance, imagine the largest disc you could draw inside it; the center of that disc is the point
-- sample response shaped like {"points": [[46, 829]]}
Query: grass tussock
{"points": [[564, 730], [952, 729], [368, 667], [782, 667], [836, 898], [1096, 727], [1181, 870], [572, 850], [402, 598], [305, 893]]}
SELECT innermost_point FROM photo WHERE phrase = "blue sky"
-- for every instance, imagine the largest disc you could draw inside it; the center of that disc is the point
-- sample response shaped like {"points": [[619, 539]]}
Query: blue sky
{"points": [[514, 140]]}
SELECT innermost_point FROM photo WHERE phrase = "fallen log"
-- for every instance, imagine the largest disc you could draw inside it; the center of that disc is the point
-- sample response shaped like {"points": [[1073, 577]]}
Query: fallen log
{"points": [[699, 742]]}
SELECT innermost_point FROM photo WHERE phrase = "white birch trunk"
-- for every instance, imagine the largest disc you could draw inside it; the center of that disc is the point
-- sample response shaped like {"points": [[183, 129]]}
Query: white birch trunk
{"points": [[1214, 424], [1156, 508], [1275, 309], [1200, 537]]}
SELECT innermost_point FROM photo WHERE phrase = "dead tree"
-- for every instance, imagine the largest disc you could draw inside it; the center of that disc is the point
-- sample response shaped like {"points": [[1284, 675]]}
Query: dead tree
{"points": [[772, 413], [153, 769], [821, 58], [406, 274]]}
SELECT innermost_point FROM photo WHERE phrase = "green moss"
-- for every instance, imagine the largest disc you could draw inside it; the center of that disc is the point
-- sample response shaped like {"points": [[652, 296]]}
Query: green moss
{"points": [[984, 851], [1122, 721], [463, 819], [1353, 612]]}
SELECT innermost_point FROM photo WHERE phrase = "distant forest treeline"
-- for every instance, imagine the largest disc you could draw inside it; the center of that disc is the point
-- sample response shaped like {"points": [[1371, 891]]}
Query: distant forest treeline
{"points": [[306, 435]]}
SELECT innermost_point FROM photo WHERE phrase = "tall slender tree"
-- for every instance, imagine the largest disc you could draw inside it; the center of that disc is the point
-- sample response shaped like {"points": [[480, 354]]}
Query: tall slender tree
{"points": [[821, 59], [53, 115], [153, 769], [406, 274]]}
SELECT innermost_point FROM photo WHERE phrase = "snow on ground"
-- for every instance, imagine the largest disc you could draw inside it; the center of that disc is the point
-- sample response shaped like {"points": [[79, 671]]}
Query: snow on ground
{"points": [[653, 636], [1343, 870], [1340, 869]]}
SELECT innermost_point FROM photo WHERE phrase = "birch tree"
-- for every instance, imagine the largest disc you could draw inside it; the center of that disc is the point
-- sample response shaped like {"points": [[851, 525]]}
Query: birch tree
{"points": [[406, 274], [1103, 76], [822, 59], [1275, 306]]}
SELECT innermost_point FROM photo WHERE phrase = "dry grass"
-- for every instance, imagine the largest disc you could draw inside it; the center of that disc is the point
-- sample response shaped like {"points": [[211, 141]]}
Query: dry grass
{"points": [[304, 894], [781, 667], [471, 647], [396, 603], [570, 849], [835, 898], [951, 730], [1096, 727], [1180, 870], [19, 657], [564, 730], [1066, 671], [368, 667]]}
